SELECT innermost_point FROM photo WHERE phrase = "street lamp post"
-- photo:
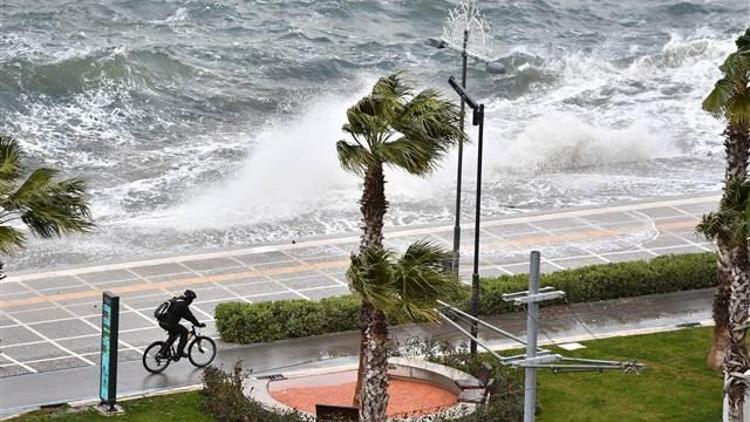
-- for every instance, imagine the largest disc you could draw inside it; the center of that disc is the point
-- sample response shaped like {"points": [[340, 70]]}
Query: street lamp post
{"points": [[467, 20], [478, 120]]}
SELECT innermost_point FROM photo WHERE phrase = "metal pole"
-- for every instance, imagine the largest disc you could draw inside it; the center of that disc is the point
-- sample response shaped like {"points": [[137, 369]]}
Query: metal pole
{"points": [[532, 316], [478, 115], [457, 225]]}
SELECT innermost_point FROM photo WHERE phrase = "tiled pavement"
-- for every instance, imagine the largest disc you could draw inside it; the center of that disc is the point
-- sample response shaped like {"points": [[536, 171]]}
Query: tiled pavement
{"points": [[51, 320]]}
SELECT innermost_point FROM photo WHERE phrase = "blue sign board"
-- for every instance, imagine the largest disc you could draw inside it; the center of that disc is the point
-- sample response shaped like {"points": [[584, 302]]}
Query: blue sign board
{"points": [[108, 366]]}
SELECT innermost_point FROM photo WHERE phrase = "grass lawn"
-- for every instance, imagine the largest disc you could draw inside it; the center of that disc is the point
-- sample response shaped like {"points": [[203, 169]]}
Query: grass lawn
{"points": [[676, 385], [174, 407]]}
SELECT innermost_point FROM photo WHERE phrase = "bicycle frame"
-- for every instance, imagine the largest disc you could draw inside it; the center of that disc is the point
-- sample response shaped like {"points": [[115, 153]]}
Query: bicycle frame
{"points": [[192, 334]]}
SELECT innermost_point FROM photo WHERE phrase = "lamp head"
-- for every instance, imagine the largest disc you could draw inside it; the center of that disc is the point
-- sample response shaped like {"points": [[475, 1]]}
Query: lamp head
{"points": [[434, 42]]}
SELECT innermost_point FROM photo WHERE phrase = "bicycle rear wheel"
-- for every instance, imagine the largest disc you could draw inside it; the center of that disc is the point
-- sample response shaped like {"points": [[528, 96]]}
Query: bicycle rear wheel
{"points": [[202, 351], [156, 357]]}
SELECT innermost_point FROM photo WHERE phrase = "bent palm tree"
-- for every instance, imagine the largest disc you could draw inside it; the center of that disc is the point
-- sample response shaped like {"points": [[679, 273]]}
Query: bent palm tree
{"points": [[730, 225], [47, 207], [730, 100], [406, 288], [391, 126]]}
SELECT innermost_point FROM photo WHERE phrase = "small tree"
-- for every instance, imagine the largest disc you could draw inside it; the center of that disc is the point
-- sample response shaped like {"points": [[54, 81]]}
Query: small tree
{"points": [[730, 101], [392, 127], [46, 206], [730, 226], [406, 288]]}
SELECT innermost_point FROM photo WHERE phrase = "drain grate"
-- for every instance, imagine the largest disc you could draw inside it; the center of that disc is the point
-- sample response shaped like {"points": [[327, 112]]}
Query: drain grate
{"points": [[689, 324], [272, 377]]}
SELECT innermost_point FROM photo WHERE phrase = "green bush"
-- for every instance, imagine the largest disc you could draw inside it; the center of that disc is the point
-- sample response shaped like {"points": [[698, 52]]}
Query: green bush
{"points": [[224, 398], [269, 321]]}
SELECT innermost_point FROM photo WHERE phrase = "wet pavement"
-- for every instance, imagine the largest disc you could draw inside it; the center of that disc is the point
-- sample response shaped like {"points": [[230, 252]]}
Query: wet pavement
{"points": [[560, 324], [50, 321]]}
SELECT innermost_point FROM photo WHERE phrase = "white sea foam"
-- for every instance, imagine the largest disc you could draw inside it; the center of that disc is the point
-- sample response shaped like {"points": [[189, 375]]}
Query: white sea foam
{"points": [[292, 167], [562, 141]]}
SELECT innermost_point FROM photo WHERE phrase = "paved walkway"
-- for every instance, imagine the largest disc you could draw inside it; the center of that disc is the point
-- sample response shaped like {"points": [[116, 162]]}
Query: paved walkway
{"points": [[51, 320], [578, 322]]}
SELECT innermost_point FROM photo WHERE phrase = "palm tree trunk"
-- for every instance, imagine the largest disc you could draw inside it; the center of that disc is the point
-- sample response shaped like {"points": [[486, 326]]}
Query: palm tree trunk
{"points": [[374, 396], [373, 206], [737, 361], [736, 145]]}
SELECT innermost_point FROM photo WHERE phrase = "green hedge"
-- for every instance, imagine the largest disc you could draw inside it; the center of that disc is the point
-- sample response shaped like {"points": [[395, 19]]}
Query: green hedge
{"points": [[269, 321]]}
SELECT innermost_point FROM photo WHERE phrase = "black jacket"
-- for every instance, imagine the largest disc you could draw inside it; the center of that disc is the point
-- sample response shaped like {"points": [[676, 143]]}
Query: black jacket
{"points": [[180, 309]]}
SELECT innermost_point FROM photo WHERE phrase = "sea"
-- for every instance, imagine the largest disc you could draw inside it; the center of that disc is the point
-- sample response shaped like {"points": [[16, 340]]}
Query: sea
{"points": [[203, 125]]}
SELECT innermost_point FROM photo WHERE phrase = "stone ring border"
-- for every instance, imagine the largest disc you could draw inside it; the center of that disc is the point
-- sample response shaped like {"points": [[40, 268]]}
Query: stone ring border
{"points": [[414, 369]]}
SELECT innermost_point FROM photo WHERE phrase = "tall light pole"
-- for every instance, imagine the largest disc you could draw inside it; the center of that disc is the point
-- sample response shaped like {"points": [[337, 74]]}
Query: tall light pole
{"points": [[478, 120], [463, 22]]}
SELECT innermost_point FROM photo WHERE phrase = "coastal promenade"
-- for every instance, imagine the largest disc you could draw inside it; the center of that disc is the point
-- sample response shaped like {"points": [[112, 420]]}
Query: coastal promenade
{"points": [[50, 321]]}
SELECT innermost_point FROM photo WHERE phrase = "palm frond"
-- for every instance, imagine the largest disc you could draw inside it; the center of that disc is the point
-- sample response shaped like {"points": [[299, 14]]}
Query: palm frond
{"points": [[392, 87], [729, 97], [421, 279], [11, 240], [428, 115], [743, 42], [717, 100], [10, 153], [407, 288], [729, 224], [62, 209], [37, 184], [354, 158], [710, 226], [413, 156], [370, 276], [428, 125], [738, 111]]}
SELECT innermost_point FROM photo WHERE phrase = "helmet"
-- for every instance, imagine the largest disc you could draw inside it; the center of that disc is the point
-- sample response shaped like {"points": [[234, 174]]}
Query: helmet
{"points": [[190, 295]]}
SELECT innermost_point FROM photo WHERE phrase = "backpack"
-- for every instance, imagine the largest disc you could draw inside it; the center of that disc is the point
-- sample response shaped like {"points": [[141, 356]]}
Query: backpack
{"points": [[162, 311]]}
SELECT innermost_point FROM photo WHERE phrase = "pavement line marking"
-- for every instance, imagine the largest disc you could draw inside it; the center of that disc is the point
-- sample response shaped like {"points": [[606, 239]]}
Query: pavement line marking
{"points": [[355, 238], [121, 349], [690, 242], [49, 340], [172, 283], [19, 363], [294, 258], [197, 280], [73, 314]]}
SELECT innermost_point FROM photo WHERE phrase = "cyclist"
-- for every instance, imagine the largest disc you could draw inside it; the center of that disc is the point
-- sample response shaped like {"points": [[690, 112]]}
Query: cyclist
{"points": [[178, 310]]}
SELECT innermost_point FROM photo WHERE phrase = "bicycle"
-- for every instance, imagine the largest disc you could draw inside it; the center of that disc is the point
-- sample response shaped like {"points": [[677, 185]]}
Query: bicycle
{"points": [[201, 352]]}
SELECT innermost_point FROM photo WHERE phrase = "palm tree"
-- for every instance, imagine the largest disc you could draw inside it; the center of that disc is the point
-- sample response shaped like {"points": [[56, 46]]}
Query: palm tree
{"points": [[730, 225], [730, 100], [406, 288], [46, 206], [393, 127]]}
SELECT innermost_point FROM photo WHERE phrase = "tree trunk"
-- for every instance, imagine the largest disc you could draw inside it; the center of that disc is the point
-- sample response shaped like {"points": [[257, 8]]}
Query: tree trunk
{"points": [[736, 145], [374, 396], [737, 362], [720, 343], [373, 207]]}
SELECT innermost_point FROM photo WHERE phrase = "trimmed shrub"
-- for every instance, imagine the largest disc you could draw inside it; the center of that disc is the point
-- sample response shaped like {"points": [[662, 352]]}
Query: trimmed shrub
{"points": [[269, 321]]}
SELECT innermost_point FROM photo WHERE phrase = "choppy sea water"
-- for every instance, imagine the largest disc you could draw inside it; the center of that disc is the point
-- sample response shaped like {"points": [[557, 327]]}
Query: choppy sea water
{"points": [[206, 124]]}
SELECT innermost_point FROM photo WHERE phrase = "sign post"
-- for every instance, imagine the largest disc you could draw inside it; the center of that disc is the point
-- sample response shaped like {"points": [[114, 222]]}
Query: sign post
{"points": [[108, 365]]}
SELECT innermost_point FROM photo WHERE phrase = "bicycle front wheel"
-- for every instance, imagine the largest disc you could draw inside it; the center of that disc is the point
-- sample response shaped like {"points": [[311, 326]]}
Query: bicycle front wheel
{"points": [[156, 357], [202, 351]]}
